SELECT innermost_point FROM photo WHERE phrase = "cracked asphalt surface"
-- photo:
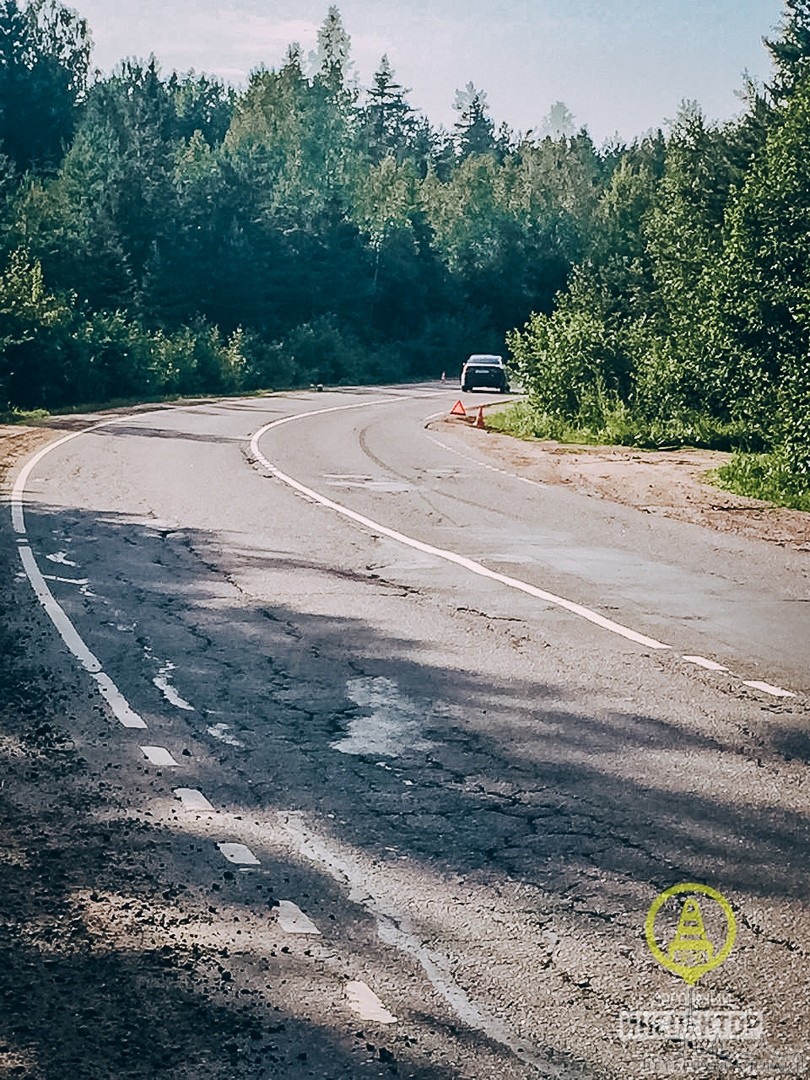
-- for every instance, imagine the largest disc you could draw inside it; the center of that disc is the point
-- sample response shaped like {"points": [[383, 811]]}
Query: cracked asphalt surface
{"points": [[474, 795]]}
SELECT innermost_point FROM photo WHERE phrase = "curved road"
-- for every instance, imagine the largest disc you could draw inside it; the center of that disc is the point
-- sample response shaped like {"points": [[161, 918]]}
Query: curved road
{"points": [[460, 726]]}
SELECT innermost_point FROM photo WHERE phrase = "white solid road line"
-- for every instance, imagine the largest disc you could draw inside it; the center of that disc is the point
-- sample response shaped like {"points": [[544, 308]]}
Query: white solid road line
{"points": [[292, 920], [367, 1005], [124, 714], [429, 549], [67, 631], [460, 560]]}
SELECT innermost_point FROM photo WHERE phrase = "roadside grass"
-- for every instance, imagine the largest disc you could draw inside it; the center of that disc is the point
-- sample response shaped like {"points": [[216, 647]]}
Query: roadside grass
{"points": [[614, 424], [764, 476], [23, 416]]}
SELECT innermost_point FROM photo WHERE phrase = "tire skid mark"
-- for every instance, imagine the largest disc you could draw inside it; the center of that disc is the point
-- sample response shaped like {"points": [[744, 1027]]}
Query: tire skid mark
{"points": [[429, 549]]}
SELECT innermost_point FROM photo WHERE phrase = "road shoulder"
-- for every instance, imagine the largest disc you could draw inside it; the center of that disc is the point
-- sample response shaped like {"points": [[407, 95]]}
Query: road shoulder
{"points": [[669, 483]]}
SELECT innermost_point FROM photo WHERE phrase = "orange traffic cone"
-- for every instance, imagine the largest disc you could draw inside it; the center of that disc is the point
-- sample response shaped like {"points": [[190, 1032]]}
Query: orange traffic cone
{"points": [[479, 420]]}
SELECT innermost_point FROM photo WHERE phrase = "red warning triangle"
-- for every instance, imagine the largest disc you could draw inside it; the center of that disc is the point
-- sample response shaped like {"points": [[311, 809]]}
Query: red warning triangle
{"points": [[458, 409]]}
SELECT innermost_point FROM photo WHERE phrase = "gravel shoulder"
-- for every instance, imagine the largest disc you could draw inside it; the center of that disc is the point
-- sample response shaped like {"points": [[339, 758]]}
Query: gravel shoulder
{"points": [[669, 483]]}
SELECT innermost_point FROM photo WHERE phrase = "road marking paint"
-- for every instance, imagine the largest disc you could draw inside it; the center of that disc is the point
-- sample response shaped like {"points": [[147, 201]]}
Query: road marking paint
{"points": [[124, 714], [393, 928], [61, 558], [221, 732], [240, 854], [292, 920], [367, 1005], [159, 755], [67, 580], [440, 553], [162, 682], [485, 465], [390, 725], [701, 661], [192, 799], [67, 631], [767, 688]]}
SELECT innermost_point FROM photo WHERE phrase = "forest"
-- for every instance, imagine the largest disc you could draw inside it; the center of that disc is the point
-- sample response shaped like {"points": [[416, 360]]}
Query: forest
{"points": [[166, 234]]}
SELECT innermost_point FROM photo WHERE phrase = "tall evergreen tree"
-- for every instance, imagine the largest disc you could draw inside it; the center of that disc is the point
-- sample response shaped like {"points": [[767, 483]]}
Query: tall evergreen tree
{"points": [[44, 61], [475, 128], [333, 54], [388, 125], [790, 51]]}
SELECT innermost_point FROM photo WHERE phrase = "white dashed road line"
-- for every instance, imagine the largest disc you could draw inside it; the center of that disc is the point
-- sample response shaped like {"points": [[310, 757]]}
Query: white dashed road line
{"points": [[701, 661], [767, 688], [240, 854], [192, 799], [292, 920], [362, 1000], [159, 755]]}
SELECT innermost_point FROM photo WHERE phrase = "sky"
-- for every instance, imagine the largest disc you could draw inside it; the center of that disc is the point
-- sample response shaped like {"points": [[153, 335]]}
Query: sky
{"points": [[621, 66]]}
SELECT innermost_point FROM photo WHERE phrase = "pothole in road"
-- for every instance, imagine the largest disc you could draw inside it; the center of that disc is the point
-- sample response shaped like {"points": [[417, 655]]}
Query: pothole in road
{"points": [[391, 723]]}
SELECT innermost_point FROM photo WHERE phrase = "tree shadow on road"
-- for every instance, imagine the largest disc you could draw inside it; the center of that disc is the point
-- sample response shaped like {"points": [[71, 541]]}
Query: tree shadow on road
{"points": [[508, 782]]}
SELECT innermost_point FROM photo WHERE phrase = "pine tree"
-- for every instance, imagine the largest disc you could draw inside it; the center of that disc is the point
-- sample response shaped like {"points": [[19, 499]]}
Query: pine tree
{"points": [[333, 54], [475, 129], [791, 50], [388, 120]]}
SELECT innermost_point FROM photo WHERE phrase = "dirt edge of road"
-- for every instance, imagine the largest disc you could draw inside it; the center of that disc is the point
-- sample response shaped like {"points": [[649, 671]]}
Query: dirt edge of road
{"points": [[670, 483]]}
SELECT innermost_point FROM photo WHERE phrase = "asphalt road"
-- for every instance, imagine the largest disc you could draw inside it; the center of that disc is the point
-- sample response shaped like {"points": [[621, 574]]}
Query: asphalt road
{"points": [[463, 728]]}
